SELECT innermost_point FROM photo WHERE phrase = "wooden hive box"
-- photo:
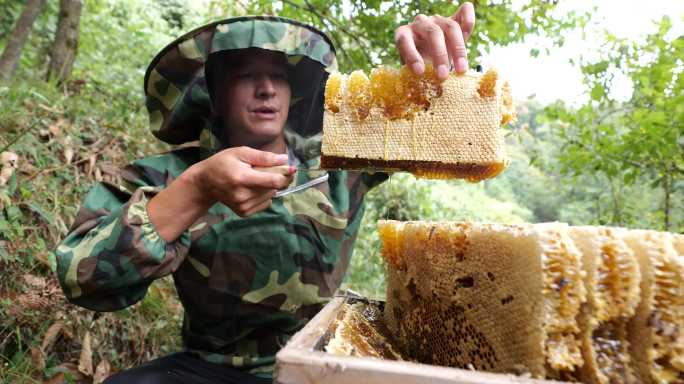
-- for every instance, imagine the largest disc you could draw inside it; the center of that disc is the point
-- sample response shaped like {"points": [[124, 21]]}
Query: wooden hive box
{"points": [[304, 361]]}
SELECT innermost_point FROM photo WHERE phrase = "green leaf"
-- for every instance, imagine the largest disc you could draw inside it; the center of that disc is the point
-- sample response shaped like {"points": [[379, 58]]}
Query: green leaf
{"points": [[12, 185], [595, 69], [46, 216], [598, 93], [13, 213]]}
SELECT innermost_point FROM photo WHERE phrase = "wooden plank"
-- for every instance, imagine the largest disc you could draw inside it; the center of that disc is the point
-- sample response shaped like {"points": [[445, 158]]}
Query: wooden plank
{"points": [[312, 367], [307, 337], [299, 363]]}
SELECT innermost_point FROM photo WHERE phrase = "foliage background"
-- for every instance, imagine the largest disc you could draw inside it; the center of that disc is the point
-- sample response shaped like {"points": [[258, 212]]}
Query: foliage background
{"points": [[605, 162]]}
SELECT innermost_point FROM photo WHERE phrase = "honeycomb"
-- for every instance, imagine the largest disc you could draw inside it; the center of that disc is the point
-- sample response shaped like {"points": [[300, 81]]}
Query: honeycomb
{"points": [[564, 293], [358, 331], [596, 304], [508, 106], [357, 94], [385, 87], [418, 90], [401, 121], [612, 280], [333, 91], [591, 304], [487, 86], [500, 298], [655, 330]]}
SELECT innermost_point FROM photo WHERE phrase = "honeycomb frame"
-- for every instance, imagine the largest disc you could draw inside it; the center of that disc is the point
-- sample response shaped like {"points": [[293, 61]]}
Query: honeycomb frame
{"points": [[403, 122]]}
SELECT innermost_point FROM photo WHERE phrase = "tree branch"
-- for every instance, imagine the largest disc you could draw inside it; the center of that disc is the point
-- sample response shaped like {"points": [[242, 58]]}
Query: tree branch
{"points": [[592, 149], [328, 21]]}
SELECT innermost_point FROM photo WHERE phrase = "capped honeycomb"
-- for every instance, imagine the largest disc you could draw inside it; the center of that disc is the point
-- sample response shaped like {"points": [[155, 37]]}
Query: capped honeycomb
{"points": [[564, 293], [396, 120], [592, 304], [359, 331], [500, 298], [612, 279], [655, 330]]}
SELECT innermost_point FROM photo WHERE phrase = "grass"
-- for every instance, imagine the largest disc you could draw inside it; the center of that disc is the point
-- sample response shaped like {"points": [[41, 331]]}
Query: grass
{"points": [[66, 140]]}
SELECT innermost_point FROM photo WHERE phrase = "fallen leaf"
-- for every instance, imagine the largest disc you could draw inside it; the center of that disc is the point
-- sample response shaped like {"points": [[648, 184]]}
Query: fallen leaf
{"points": [[50, 109], [51, 335], [68, 332], [68, 151], [38, 359], [56, 128], [91, 164], [32, 300], [62, 370], [102, 372], [35, 281], [85, 362], [42, 257], [8, 163], [8, 158]]}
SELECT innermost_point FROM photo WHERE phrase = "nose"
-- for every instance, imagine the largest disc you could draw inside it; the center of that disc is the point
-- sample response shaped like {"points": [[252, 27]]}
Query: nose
{"points": [[265, 88]]}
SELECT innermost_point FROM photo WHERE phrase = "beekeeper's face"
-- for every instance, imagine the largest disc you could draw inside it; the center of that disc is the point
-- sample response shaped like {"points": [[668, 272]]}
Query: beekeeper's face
{"points": [[255, 98]]}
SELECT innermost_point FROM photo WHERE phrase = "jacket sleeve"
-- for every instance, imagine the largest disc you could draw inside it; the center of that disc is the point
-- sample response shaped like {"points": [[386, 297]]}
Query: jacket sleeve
{"points": [[112, 252]]}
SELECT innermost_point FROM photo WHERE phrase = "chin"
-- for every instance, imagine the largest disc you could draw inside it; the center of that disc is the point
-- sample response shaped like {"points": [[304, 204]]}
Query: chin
{"points": [[268, 129], [264, 134]]}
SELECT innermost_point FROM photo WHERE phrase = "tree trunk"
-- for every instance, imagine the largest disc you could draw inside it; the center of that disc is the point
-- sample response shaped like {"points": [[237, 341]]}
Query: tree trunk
{"points": [[15, 42], [66, 40], [667, 188]]}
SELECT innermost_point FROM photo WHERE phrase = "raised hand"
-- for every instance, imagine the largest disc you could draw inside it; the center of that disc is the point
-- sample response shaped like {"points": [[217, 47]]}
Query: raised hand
{"points": [[438, 39]]}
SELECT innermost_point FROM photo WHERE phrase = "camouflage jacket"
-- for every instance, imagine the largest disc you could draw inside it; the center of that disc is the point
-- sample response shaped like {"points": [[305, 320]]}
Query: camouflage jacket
{"points": [[246, 284]]}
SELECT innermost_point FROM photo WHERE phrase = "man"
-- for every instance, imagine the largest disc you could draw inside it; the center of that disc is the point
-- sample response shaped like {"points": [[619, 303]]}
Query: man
{"points": [[250, 270]]}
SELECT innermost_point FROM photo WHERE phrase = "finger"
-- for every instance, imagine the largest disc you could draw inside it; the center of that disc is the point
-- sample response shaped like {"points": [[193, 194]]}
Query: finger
{"points": [[454, 42], [279, 169], [255, 157], [252, 178], [403, 39], [260, 205], [465, 17], [427, 29]]}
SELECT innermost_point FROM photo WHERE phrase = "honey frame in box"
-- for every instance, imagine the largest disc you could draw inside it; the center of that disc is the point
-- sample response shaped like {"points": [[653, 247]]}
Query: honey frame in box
{"points": [[303, 361]]}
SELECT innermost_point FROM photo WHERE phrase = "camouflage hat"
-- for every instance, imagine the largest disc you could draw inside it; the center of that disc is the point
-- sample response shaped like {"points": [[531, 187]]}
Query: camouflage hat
{"points": [[177, 97]]}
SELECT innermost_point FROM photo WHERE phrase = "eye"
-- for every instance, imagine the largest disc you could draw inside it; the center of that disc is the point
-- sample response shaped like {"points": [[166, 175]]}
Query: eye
{"points": [[280, 76]]}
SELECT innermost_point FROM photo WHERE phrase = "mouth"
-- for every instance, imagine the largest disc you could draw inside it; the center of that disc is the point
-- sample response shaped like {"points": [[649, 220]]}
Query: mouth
{"points": [[265, 112]]}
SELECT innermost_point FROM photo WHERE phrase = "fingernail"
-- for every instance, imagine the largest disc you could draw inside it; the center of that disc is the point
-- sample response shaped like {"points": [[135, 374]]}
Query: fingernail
{"points": [[442, 71], [461, 65], [292, 169], [282, 157], [418, 68]]}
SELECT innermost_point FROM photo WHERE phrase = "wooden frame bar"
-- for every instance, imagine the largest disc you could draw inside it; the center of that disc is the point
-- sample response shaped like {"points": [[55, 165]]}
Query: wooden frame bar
{"points": [[300, 363]]}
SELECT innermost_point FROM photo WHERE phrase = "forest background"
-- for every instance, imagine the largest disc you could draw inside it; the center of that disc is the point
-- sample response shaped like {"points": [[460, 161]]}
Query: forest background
{"points": [[72, 112]]}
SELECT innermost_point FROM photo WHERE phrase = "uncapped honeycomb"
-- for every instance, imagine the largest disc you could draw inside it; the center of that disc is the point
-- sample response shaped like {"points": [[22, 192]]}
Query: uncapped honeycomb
{"points": [[612, 277], [488, 85], [358, 331], [655, 330], [564, 293], [458, 293], [357, 94], [333, 92], [396, 120], [592, 304]]}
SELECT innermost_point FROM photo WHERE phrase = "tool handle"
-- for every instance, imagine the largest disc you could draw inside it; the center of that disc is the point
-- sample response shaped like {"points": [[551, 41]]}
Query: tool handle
{"points": [[278, 169]]}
